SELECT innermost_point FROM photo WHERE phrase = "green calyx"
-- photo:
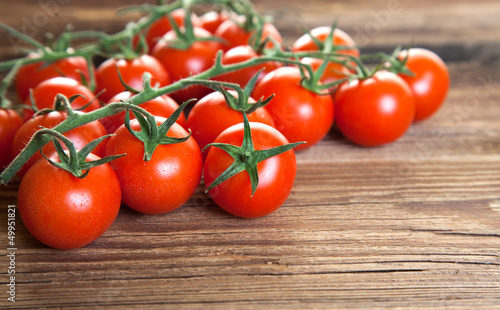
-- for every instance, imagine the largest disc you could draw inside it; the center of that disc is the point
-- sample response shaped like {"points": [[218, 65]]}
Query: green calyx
{"points": [[328, 46], [240, 102], [311, 79], [72, 161], [245, 9], [151, 134], [185, 37], [383, 61], [59, 49], [61, 103], [396, 65], [125, 49], [329, 52], [246, 157], [256, 39]]}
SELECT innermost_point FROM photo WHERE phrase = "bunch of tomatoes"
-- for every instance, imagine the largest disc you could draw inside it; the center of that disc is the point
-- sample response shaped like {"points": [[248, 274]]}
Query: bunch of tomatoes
{"points": [[87, 139]]}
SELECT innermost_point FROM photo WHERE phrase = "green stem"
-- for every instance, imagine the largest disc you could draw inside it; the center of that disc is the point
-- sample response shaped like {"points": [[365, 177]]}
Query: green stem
{"points": [[22, 36], [90, 67], [145, 95], [4, 102], [16, 64], [50, 57]]}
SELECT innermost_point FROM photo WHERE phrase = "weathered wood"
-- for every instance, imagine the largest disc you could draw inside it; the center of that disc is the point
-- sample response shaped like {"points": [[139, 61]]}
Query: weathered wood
{"points": [[415, 224], [363, 227], [458, 30]]}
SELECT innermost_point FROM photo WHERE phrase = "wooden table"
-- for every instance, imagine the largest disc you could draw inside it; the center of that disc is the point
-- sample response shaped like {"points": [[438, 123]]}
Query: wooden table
{"points": [[415, 224]]}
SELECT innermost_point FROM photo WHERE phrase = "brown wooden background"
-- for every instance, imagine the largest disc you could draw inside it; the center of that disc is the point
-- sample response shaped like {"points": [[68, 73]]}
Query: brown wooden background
{"points": [[415, 224]]}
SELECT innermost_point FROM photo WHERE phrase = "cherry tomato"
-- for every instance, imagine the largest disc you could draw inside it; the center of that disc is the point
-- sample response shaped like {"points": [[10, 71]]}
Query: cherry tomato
{"points": [[211, 20], [374, 111], [276, 174], [80, 136], [239, 54], [162, 26], [10, 122], [45, 94], [430, 83], [211, 115], [162, 106], [299, 114], [30, 75], [340, 38], [235, 35], [179, 63], [131, 72], [65, 212], [165, 182]]}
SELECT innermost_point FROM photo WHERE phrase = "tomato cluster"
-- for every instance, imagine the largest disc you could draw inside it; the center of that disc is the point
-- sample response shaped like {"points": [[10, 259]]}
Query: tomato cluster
{"points": [[255, 101]]}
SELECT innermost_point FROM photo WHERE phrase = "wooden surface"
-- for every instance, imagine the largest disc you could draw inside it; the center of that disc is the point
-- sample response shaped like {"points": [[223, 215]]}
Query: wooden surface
{"points": [[415, 224]]}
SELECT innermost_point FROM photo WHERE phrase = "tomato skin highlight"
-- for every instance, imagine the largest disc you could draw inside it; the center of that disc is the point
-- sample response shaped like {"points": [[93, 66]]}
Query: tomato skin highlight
{"points": [[299, 114], [211, 115], [163, 106], [431, 82], [180, 64], [65, 212], [131, 72], [45, 94], [80, 136], [10, 122], [276, 174], [30, 75], [165, 182], [374, 111]]}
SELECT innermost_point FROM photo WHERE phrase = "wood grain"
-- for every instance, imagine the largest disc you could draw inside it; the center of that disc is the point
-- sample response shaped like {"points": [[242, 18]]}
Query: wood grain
{"points": [[415, 224], [458, 30]]}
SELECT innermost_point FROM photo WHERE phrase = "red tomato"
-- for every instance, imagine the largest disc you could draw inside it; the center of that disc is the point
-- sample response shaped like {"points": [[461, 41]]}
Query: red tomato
{"points": [[45, 94], [276, 174], [162, 26], [65, 212], [163, 106], [30, 75], [199, 57], [235, 35], [374, 111], [240, 54], [131, 72], [80, 136], [211, 115], [211, 20], [10, 122], [165, 182], [340, 38], [430, 83], [298, 113]]}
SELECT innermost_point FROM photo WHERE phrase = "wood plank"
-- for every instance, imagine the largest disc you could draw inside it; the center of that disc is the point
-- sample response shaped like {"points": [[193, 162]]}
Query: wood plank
{"points": [[357, 231], [415, 224], [457, 30]]}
